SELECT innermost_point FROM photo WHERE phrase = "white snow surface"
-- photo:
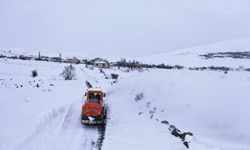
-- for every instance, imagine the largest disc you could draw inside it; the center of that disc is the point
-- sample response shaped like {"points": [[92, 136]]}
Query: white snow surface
{"points": [[212, 105], [190, 56]]}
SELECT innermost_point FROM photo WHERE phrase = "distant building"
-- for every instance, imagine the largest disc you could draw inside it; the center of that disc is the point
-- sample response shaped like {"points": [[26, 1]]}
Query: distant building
{"points": [[101, 64], [73, 60], [55, 59], [23, 57], [44, 58]]}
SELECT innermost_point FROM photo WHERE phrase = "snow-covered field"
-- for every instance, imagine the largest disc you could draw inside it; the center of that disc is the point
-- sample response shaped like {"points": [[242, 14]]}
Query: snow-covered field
{"points": [[44, 112], [189, 57]]}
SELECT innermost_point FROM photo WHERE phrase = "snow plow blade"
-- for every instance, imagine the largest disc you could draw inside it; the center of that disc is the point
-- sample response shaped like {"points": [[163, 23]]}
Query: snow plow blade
{"points": [[94, 122]]}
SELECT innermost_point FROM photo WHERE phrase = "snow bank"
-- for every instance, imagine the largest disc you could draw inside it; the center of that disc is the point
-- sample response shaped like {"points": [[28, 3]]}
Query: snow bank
{"points": [[211, 105]]}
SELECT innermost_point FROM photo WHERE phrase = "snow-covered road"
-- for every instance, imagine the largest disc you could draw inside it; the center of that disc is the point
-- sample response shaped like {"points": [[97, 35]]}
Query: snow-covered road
{"points": [[61, 129]]}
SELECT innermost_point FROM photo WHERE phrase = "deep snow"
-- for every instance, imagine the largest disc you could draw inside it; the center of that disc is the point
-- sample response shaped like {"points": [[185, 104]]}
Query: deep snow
{"points": [[211, 105]]}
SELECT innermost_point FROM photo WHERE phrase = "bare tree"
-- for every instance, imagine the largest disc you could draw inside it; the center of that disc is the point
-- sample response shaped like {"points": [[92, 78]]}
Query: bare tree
{"points": [[69, 72]]}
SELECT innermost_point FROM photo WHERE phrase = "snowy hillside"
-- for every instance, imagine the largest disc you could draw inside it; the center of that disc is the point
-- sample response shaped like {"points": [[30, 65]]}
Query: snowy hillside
{"points": [[190, 56], [44, 112]]}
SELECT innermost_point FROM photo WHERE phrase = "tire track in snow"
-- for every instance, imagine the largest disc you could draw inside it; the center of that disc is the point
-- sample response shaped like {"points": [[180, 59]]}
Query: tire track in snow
{"points": [[61, 129], [101, 132]]}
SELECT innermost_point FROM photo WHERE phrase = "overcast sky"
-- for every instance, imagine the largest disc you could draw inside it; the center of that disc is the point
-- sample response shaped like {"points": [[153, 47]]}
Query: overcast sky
{"points": [[121, 27]]}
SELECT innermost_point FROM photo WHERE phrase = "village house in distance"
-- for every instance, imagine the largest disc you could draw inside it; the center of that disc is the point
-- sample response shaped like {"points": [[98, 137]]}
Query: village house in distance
{"points": [[101, 64]]}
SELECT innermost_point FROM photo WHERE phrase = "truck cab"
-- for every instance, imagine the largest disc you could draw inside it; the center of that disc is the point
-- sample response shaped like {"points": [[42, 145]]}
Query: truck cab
{"points": [[94, 109]]}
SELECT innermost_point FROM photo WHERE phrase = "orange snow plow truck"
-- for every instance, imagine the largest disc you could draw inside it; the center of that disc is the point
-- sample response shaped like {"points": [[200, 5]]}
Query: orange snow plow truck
{"points": [[94, 110]]}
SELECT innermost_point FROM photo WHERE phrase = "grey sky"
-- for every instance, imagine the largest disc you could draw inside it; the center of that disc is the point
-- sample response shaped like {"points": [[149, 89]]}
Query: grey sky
{"points": [[121, 27]]}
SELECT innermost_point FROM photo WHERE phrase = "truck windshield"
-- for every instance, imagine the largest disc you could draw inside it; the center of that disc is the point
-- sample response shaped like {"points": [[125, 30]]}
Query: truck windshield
{"points": [[94, 98]]}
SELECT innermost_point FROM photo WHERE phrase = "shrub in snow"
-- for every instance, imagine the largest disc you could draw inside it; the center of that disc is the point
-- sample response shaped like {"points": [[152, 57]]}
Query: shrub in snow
{"points": [[2, 56], [152, 112], [218, 68], [105, 75], [148, 104], [165, 122], [114, 76], [182, 135], [235, 55], [139, 96], [179, 67], [88, 84], [248, 69], [34, 73], [69, 72]]}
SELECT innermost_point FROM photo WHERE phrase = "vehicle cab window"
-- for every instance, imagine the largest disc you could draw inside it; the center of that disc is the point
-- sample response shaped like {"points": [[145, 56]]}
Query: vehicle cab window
{"points": [[94, 97]]}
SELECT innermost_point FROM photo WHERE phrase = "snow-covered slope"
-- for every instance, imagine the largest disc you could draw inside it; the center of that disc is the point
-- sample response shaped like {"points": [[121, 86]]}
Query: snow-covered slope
{"points": [[211, 105], [190, 56]]}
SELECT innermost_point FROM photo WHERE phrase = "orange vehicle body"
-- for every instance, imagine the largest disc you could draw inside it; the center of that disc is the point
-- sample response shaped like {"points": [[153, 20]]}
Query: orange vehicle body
{"points": [[94, 110]]}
